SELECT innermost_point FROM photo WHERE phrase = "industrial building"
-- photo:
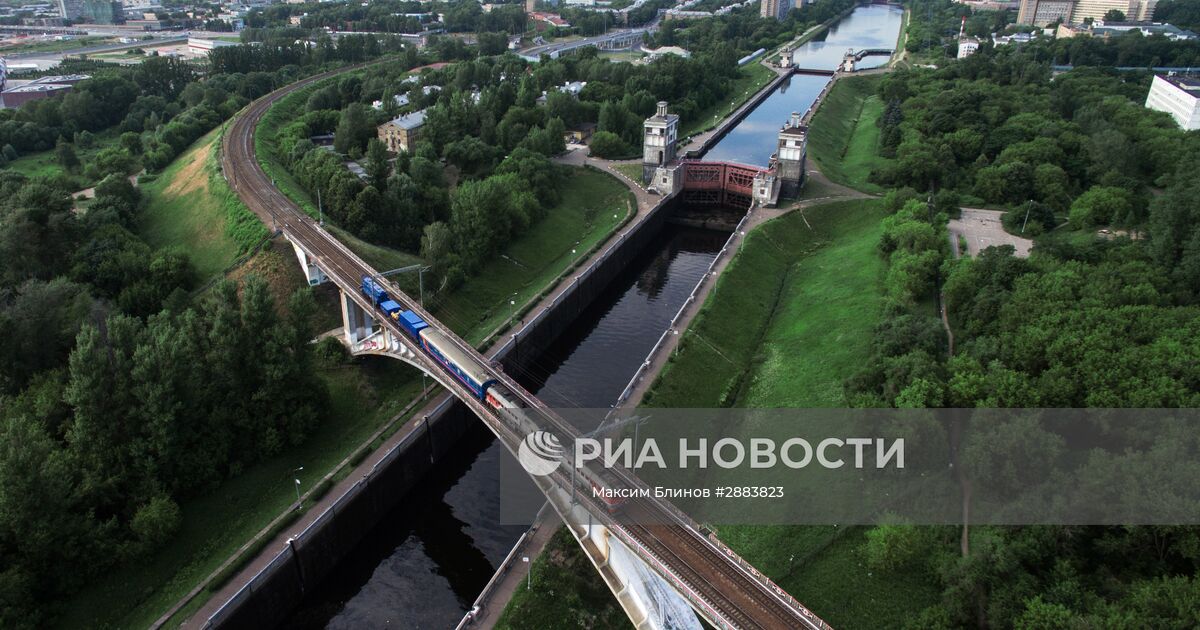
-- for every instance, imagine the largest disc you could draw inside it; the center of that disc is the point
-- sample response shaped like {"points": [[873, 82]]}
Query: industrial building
{"points": [[1177, 96], [45, 87]]}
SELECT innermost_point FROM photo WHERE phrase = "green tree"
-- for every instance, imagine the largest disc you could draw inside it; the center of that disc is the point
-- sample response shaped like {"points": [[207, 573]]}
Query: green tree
{"points": [[1100, 205], [378, 168], [608, 145], [353, 129], [65, 154]]}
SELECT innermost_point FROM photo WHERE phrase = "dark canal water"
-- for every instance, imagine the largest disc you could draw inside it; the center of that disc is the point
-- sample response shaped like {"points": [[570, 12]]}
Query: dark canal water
{"points": [[425, 563]]}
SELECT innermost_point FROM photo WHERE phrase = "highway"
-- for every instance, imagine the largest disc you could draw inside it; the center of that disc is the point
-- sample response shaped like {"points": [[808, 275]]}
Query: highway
{"points": [[719, 585]]}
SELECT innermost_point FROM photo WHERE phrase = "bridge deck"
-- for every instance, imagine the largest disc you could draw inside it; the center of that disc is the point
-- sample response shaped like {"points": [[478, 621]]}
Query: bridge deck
{"points": [[719, 585]]}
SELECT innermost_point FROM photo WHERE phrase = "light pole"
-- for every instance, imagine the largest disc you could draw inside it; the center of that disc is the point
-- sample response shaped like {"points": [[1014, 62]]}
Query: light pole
{"points": [[528, 573], [297, 480], [513, 303]]}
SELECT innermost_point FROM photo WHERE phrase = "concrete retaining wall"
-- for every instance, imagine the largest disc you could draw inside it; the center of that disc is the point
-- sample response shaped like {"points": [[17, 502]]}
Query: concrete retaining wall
{"points": [[729, 123], [271, 596], [280, 588]]}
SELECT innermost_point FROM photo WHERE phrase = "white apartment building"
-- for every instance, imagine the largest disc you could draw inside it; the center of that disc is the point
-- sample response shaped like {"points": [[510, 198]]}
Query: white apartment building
{"points": [[1177, 96]]}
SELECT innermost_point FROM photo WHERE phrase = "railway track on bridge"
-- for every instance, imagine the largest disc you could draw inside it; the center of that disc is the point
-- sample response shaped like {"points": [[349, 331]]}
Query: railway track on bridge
{"points": [[727, 587]]}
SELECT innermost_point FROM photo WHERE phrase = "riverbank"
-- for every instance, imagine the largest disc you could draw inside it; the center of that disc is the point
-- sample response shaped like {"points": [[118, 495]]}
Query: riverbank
{"points": [[843, 139]]}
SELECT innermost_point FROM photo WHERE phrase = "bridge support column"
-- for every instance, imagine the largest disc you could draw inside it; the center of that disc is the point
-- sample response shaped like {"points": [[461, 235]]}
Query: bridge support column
{"points": [[311, 271], [356, 321]]}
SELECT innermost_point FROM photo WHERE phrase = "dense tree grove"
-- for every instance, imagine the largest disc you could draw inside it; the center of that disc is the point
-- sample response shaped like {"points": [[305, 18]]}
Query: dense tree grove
{"points": [[1181, 13], [745, 31], [102, 427], [996, 129], [121, 393], [486, 120], [1091, 319]]}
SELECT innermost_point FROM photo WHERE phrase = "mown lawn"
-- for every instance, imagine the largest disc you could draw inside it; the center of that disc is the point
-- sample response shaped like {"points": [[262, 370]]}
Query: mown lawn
{"points": [[632, 171], [789, 319], [843, 138]]}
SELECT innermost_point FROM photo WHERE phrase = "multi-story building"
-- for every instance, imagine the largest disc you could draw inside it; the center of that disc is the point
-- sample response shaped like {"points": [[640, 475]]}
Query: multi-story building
{"points": [[1177, 96], [1044, 12], [1133, 10], [1106, 30], [777, 9], [967, 47], [401, 133]]}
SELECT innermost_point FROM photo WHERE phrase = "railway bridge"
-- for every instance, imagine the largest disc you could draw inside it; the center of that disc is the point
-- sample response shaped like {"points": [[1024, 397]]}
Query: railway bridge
{"points": [[650, 558]]}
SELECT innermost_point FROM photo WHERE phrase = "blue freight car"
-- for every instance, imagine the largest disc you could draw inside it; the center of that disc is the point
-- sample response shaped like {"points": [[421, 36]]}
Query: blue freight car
{"points": [[373, 290], [411, 323], [391, 308]]}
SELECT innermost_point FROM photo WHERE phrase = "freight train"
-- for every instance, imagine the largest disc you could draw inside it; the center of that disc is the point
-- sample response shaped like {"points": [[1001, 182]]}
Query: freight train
{"points": [[472, 374]]}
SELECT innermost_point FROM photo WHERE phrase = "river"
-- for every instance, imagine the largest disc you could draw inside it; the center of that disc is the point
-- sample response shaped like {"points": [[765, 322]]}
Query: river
{"points": [[425, 563]]}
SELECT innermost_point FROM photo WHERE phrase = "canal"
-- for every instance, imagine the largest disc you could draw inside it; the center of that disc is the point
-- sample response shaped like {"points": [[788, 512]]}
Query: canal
{"points": [[753, 140], [425, 563]]}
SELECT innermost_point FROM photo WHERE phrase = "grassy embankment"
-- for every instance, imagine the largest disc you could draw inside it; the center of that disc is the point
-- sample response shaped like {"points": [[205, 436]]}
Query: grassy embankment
{"points": [[564, 592], [189, 205], [593, 205], [843, 138], [790, 318], [753, 77]]}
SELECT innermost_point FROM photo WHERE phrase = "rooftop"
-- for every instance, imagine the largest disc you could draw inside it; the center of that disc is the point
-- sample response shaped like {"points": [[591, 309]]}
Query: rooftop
{"points": [[66, 78], [1190, 85], [410, 121], [37, 87]]}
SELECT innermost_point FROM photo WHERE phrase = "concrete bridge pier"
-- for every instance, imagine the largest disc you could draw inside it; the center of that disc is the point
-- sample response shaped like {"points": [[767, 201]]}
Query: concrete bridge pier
{"points": [[312, 272], [357, 322]]}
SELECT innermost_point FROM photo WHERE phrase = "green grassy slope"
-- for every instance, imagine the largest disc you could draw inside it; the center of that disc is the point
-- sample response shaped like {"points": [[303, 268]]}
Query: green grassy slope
{"points": [[843, 138], [189, 205]]}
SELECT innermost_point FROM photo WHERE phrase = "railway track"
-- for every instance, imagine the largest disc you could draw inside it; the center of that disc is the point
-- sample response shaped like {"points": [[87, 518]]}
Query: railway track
{"points": [[722, 583]]}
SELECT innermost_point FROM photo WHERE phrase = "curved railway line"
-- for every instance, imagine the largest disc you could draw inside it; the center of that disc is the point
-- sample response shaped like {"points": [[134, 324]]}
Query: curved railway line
{"points": [[728, 590]]}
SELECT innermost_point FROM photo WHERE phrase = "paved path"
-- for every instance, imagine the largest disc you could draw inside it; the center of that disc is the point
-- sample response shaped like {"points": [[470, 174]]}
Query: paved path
{"points": [[513, 576]]}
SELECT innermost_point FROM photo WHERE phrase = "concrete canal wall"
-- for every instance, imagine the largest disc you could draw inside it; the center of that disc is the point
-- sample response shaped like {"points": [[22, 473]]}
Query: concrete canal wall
{"points": [[279, 588]]}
